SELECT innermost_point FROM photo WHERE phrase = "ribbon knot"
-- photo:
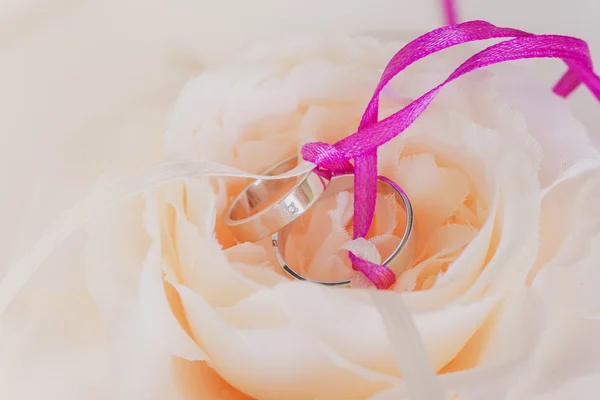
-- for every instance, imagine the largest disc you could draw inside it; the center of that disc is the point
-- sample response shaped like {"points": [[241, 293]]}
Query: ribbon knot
{"points": [[326, 157]]}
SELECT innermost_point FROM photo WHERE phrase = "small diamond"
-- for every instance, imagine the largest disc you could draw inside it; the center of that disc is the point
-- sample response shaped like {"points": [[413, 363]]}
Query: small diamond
{"points": [[291, 208]]}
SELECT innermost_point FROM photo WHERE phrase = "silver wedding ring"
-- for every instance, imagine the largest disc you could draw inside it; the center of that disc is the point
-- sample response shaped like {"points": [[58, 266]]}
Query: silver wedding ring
{"points": [[267, 206], [402, 253]]}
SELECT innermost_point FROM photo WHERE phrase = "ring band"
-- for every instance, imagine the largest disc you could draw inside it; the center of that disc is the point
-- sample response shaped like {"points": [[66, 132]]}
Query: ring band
{"points": [[346, 181], [267, 206]]}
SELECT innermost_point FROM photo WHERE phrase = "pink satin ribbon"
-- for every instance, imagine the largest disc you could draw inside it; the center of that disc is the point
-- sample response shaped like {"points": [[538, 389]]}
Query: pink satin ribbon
{"points": [[564, 87], [362, 146], [450, 13]]}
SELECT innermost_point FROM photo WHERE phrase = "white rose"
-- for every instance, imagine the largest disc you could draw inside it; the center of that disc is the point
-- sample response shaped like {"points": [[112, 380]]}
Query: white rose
{"points": [[503, 182]]}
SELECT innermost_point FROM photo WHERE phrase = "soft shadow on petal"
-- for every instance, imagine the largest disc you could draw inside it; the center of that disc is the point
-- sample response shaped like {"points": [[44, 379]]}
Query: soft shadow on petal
{"points": [[566, 352], [352, 326], [435, 192], [192, 254], [569, 278], [163, 325], [520, 315], [458, 324], [548, 119], [519, 240], [562, 211], [489, 383], [444, 241], [278, 362], [463, 271], [195, 380]]}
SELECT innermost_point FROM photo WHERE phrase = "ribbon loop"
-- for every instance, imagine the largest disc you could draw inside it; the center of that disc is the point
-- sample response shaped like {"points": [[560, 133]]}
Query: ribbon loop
{"points": [[371, 134]]}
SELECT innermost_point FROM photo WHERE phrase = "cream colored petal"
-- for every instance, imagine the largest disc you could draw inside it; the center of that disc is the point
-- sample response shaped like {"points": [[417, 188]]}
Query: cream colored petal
{"points": [[162, 325], [559, 211], [280, 362], [194, 117], [329, 122], [449, 238], [265, 275], [570, 276], [352, 326], [461, 274], [320, 80], [548, 118], [197, 198], [564, 354], [66, 350], [199, 256], [251, 104], [196, 380], [156, 310], [491, 383], [248, 253], [520, 315], [568, 285], [327, 263], [518, 221], [443, 241], [434, 191], [458, 324], [255, 312]]}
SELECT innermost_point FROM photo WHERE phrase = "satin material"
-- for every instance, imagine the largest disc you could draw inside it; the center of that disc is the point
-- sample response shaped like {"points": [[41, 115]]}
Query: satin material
{"points": [[450, 13], [371, 134], [566, 84]]}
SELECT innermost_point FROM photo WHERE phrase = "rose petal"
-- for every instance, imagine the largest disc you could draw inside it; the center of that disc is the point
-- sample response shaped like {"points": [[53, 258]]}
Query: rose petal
{"points": [[353, 327], [570, 277], [158, 314], [262, 363], [524, 92]]}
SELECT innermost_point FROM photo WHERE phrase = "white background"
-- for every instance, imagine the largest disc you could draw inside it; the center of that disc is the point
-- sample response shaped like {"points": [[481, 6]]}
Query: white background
{"points": [[84, 84]]}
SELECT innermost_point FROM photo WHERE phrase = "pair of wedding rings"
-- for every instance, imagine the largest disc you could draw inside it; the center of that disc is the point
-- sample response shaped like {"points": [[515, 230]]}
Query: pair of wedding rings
{"points": [[270, 208]]}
